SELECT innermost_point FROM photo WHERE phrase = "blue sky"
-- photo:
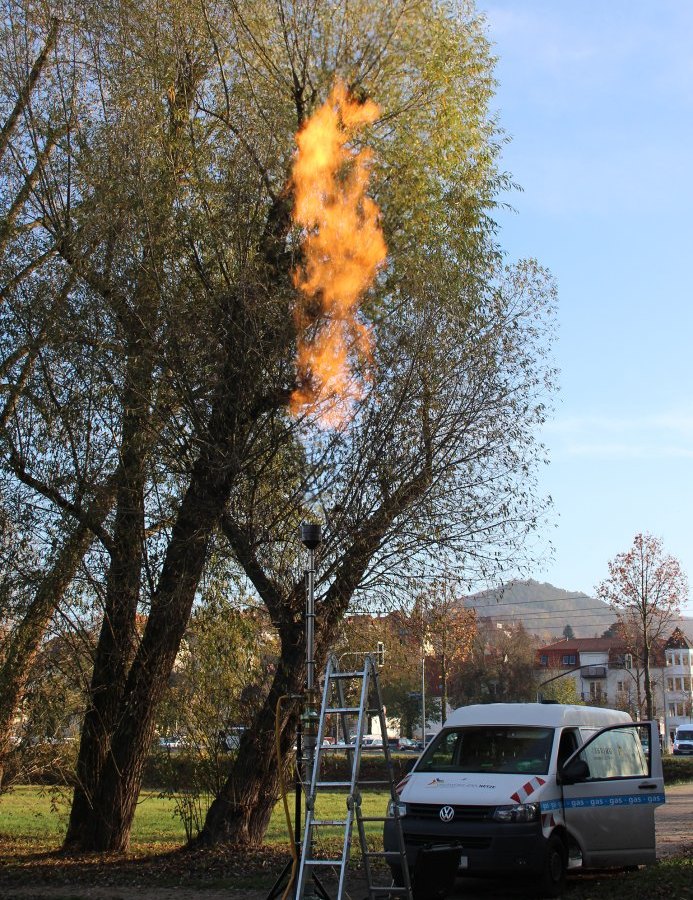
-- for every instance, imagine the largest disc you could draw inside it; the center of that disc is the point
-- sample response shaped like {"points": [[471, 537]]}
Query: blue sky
{"points": [[598, 100]]}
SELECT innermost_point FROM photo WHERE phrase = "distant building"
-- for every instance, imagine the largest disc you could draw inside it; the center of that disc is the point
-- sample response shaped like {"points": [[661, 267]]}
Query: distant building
{"points": [[678, 681], [605, 674]]}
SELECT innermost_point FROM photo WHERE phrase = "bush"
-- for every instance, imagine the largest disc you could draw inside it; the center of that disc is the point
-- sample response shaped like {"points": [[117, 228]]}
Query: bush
{"points": [[677, 769]]}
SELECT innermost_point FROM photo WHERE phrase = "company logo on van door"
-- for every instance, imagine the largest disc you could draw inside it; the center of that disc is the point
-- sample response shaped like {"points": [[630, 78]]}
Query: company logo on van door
{"points": [[447, 814]]}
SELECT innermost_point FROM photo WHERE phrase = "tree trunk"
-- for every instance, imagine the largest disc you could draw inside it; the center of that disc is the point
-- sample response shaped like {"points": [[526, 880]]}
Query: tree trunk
{"points": [[117, 638], [101, 820]]}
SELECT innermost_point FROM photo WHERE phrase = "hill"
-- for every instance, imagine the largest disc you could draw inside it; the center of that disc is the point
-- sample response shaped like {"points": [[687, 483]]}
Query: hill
{"points": [[545, 610]]}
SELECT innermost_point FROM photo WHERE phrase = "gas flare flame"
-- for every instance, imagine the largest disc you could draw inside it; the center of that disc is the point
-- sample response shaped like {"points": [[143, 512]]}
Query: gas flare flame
{"points": [[343, 248]]}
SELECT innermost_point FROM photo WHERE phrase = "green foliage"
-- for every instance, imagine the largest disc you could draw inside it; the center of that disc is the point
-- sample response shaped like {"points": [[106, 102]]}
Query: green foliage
{"points": [[562, 690], [221, 674], [677, 769]]}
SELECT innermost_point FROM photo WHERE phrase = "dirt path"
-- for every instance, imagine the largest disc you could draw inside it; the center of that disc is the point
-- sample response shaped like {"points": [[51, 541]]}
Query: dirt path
{"points": [[674, 835]]}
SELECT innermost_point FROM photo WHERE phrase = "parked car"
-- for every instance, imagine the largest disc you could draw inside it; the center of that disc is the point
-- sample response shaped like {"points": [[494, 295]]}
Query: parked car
{"points": [[231, 739], [172, 742], [407, 745]]}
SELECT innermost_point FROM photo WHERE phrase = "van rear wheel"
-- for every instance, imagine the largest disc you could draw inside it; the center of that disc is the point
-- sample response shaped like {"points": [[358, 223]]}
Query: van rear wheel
{"points": [[555, 866]]}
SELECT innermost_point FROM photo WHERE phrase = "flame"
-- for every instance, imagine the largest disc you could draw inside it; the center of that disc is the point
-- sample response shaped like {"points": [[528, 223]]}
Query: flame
{"points": [[343, 248]]}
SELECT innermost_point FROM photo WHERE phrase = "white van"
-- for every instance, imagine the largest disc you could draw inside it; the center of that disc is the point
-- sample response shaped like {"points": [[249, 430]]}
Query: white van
{"points": [[530, 788], [683, 740]]}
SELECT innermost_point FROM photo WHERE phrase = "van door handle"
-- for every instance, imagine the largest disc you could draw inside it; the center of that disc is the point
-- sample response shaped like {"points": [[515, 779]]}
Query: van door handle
{"points": [[647, 786]]}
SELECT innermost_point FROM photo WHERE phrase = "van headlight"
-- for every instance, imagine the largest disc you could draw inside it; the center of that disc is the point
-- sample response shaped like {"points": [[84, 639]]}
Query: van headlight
{"points": [[401, 808], [520, 812]]}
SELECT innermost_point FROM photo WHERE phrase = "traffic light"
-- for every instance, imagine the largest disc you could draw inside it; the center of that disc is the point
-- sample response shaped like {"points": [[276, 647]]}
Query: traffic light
{"points": [[380, 653]]}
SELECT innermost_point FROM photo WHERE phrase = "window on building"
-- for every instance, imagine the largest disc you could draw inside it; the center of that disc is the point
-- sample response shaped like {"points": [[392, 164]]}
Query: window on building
{"points": [[569, 660], [670, 683], [677, 709], [621, 687], [543, 660], [597, 692], [687, 683]]}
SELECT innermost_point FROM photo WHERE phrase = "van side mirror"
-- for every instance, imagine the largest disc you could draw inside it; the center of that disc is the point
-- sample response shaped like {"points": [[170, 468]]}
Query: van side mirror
{"points": [[575, 771]]}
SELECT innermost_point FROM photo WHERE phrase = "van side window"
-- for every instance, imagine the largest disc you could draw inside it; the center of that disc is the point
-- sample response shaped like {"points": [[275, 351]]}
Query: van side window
{"points": [[617, 753], [567, 746]]}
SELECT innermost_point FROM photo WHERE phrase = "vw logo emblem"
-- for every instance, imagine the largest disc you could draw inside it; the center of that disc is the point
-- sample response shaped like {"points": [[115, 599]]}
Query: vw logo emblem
{"points": [[447, 814]]}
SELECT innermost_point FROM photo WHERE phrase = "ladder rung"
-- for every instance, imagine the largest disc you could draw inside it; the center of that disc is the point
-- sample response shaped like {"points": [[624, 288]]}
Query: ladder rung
{"points": [[343, 709], [345, 675], [383, 854], [329, 822], [323, 862], [331, 784], [371, 783]]}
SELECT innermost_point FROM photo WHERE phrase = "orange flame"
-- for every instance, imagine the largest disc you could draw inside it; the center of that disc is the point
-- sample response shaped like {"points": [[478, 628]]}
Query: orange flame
{"points": [[343, 248]]}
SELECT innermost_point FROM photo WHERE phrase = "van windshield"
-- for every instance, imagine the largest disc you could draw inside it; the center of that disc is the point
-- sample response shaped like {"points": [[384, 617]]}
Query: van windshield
{"points": [[684, 734], [489, 748]]}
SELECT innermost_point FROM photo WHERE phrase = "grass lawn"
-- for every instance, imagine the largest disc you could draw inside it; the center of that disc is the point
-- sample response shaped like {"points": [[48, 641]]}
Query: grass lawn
{"points": [[33, 820], [37, 816]]}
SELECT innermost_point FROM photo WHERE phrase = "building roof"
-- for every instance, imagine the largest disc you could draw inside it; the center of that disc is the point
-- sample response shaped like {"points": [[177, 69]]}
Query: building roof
{"points": [[584, 645], [678, 641]]}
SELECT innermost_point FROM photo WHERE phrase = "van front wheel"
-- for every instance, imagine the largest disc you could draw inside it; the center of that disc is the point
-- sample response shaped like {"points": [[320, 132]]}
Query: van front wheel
{"points": [[555, 866]]}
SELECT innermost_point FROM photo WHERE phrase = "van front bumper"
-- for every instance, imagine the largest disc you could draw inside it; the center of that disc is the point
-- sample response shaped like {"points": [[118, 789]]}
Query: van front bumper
{"points": [[485, 847]]}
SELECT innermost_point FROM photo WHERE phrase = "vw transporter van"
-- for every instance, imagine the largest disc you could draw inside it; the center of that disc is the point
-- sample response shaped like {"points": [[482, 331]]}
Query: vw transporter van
{"points": [[530, 789]]}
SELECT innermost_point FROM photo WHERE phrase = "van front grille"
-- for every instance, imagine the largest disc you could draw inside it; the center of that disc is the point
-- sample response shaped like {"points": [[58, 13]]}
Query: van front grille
{"points": [[462, 813]]}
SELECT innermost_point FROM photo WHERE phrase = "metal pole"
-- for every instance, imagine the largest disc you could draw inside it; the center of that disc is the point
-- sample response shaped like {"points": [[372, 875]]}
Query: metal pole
{"points": [[311, 537], [310, 620], [423, 695]]}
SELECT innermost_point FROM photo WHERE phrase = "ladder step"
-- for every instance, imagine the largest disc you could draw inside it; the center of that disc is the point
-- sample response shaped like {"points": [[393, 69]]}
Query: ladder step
{"points": [[329, 822], [322, 862], [342, 709], [344, 675], [331, 784]]}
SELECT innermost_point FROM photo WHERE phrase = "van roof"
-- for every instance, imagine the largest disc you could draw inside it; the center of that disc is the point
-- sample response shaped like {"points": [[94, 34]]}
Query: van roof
{"points": [[550, 714]]}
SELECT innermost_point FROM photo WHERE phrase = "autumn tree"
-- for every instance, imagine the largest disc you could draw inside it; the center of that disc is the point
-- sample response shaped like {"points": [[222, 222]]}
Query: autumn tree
{"points": [[498, 668], [645, 588], [448, 627]]}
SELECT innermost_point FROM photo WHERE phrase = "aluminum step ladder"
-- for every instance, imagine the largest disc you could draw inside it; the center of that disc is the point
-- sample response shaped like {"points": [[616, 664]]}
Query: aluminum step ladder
{"points": [[350, 725]]}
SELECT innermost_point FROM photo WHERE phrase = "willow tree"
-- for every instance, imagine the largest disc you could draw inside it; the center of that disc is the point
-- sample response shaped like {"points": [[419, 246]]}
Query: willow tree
{"points": [[151, 276]]}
